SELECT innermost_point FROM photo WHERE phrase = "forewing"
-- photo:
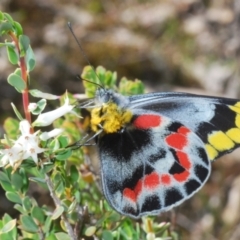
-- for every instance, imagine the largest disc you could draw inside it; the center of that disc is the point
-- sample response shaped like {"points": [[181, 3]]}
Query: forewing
{"points": [[215, 120], [152, 166]]}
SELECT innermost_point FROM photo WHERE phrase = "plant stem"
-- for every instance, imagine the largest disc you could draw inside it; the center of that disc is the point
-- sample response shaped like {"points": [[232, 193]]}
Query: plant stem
{"points": [[57, 202], [24, 75]]}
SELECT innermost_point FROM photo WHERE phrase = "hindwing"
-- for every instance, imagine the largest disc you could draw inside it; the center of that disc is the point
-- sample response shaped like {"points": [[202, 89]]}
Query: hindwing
{"points": [[152, 166]]}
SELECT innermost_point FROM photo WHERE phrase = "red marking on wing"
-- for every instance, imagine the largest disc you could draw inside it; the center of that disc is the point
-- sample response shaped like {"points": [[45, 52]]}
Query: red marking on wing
{"points": [[184, 160], [165, 179], [151, 181], [176, 140], [130, 194], [147, 121], [181, 177], [183, 130], [138, 188]]}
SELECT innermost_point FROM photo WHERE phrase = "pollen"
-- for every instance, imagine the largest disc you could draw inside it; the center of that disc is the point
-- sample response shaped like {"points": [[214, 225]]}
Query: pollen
{"points": [[110, 118]]}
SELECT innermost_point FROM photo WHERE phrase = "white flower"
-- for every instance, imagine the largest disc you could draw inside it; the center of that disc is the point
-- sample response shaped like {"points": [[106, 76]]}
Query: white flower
{"points": [[27, 145], [48, 118], [46, 135]]}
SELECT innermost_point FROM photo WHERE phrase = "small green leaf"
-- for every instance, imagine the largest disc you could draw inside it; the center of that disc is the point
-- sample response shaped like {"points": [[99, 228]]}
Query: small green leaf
{"points": [[5, 27], [24, 44], [17, 82], [40, 105], [38, 94], [8, 226], [11, 127], [4, 177], [1, 16], [27, 204], [28, 224], [51, 236], [57, 212], [62, 236], [8, 17], [90, 231], [38, 214], [18, 28], [19, 208], [13, 197], [64, 156], [30, 59], [63, 141], [47, 224], [107, 235], [17, 181], [12, 55], [74, 174], [7, 186], [37, 180], [18, 114]]}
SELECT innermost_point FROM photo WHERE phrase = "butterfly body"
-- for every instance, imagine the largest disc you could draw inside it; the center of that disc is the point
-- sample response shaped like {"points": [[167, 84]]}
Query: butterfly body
{"points": [[156, 149]]}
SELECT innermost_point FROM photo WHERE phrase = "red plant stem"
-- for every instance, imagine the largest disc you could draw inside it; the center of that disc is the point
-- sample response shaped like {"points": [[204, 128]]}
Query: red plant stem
{"points": [[24, 75]]}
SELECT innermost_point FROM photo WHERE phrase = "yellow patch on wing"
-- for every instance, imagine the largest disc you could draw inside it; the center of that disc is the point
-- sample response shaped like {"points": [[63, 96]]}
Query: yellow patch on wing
{"points": [[234, 134], [109, 117], [220, 141], [211, 151], [236, 107]]}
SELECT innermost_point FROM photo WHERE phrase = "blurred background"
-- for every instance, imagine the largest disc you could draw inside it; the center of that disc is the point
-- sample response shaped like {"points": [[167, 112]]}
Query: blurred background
{"points": [[171, 45]]}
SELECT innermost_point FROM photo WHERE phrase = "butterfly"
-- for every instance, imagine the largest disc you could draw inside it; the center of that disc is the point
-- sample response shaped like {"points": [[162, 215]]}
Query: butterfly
{"points": [[156, 149]]}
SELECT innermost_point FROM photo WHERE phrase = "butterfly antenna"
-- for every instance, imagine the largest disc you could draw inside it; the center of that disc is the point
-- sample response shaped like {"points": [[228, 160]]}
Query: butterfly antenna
{"points": [[84, 55], [99, 85]]}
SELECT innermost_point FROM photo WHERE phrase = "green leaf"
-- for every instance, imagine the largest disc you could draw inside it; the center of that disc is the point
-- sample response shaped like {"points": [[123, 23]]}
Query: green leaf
{"points": [[7, 186], [11, 127], [17, 82], [28, 224], [17, 181], [63, 141], [39, 94], [40, 105], [8, 17], [64, 156], [90, 231], [57, 212], [128, 87], [19, 208], [24, 44], [74, 174], [4, 177], [5, 27], [13, 197], [38, 214], [37, 180], [25, 180], [47, 224], [107, 235], [62, 236], [18, 28], [30, 59], [8, 226], [27, 204], [51, 236], [12, 55], [18, 114], [1, 16]]}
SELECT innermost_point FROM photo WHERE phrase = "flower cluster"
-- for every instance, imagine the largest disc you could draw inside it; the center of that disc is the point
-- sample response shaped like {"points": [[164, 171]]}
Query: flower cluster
{"points": [[28, 144]]}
